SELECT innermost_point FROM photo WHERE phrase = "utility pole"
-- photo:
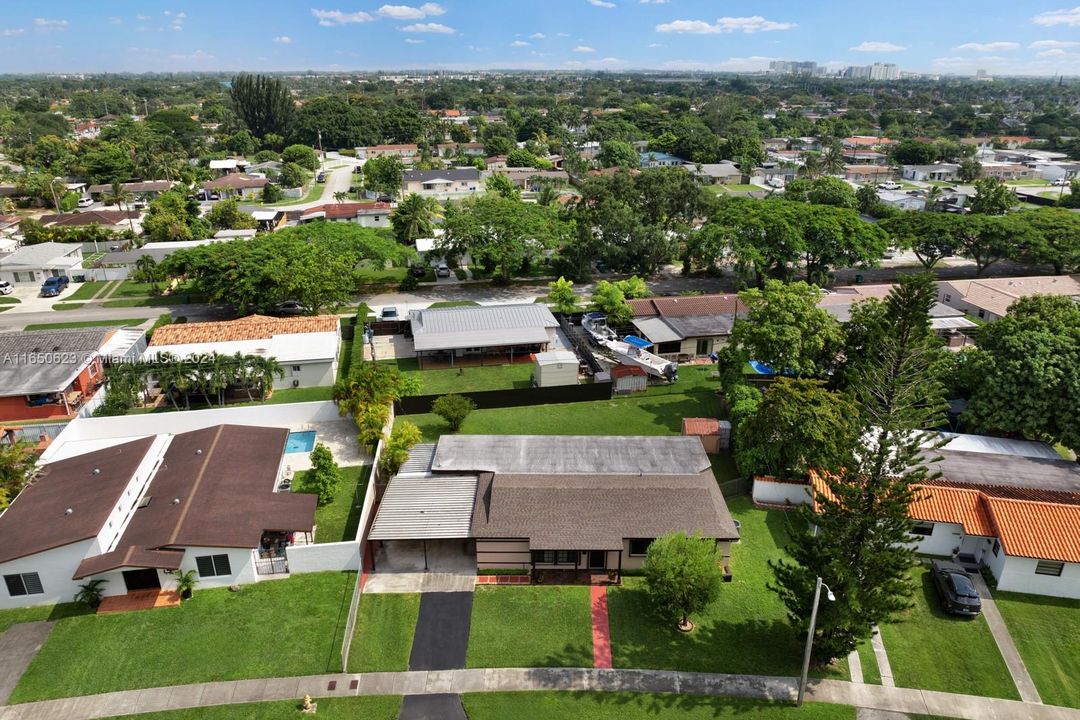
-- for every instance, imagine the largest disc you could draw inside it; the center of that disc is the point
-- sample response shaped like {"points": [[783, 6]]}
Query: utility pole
{"points": [[810, 636]]}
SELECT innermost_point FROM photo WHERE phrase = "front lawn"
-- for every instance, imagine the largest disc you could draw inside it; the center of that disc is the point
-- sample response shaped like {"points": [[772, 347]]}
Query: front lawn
{"points": [[384, 632], [84, 324], [87, 290], [1046, 631], [338, 520], [642, 415], [468, 379], [531, 626], [1027, 182], [745, 631], [369, 275], [368, 707], [932, 650], [269, 629], [452, 304], [634, 706], [40, 612]]}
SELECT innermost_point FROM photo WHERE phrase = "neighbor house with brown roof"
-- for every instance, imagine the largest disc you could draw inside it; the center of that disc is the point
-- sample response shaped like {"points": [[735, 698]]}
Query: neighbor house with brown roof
{"points": [[237, 184], [686, 327], [366, 214], [136, 511], [990, 298], [306, 347], [543, 503]]}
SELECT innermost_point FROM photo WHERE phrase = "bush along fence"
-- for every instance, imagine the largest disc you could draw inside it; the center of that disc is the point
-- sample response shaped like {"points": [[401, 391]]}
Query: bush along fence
{"points": [[488, 399]]}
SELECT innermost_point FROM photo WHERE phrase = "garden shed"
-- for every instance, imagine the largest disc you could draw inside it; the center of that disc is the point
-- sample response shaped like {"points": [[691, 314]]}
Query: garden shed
{"points": [[627, 379], [559, 367]]}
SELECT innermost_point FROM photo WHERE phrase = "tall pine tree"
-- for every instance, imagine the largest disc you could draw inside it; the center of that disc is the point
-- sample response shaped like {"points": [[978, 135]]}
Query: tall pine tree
{"points": [[861, 544]]}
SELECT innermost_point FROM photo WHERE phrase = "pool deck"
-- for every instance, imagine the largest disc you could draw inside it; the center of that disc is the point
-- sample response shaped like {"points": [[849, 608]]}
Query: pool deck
{"points": [[338, 435]]}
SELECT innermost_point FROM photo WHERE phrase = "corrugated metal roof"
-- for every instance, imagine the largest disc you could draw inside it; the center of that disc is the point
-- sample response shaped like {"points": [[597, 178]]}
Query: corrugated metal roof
{"points": [[486, 326], [419, 461], [425, 508]]}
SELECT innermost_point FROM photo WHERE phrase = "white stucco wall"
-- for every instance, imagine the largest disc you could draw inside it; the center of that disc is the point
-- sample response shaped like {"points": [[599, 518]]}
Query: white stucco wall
{"points": [[337, 556], [309, 374], [1017, 574], [780, 493], [54, 567], [945, 538], [241, 562]]}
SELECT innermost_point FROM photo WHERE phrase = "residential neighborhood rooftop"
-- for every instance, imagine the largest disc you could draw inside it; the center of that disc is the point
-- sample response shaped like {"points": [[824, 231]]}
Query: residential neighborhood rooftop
{"points": [[45, 361]]}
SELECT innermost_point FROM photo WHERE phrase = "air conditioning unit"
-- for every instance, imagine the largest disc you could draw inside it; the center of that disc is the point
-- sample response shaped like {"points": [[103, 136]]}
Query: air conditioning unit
{"points": [[296, 383]]}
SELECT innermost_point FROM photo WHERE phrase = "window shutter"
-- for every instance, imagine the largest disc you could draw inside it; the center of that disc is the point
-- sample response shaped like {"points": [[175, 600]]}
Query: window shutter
{"points": [[15, 585], [205, 564], [221, 565], [32, 581]]}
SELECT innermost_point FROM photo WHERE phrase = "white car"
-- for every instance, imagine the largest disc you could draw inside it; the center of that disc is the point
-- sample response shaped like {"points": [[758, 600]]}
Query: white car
{"points": [[889, 186], [6, 288], [85, 202], [1061, 181]]}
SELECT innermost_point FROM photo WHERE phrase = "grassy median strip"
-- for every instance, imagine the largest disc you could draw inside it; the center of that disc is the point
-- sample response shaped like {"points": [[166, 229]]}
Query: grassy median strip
{"points": [[377, 707], [635, 706]]}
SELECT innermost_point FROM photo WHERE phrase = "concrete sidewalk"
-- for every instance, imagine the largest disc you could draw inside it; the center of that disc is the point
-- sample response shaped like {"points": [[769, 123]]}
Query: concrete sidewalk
{"points": [[18, 646], [442, 682]]}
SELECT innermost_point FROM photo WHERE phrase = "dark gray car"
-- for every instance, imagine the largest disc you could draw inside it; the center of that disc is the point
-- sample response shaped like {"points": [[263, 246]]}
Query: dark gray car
{"points": [[955, 588]]}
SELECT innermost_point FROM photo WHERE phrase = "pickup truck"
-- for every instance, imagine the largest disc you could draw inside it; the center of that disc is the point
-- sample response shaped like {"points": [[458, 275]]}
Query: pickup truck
{"points": [[54, 286]]}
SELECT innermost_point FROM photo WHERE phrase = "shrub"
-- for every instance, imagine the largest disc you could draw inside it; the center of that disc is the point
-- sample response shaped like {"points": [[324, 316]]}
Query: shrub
{"points": [[324, 476], [90, 593], [409, 282], [683, 575], [453, 409], [302, 155], [271, 193], [396, 449]]}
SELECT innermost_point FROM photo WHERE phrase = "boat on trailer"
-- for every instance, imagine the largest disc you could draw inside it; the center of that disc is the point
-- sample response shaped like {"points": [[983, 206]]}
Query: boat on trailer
{"points": [[631, 350]]}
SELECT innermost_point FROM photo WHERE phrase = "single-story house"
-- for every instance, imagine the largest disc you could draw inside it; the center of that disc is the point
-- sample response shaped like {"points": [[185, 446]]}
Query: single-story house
{"points": [[144, 188], [685, 328], [267, 219], [228, 165], [114, 220], [990, 298], [902, 200], [721, 173], [865, 157], [50, 373], [494, 163], [244, 234], [367, 214], [944, 320], [945, 172], [659, 159], [452, 182], [868, 173], [9, 223], [120, 264], [242, 185], [31, 264], [135, 512], [549, 503], [305, 347], [1008, 171], [531, 179], [1012, 507], [407, 152], [491, 333]]}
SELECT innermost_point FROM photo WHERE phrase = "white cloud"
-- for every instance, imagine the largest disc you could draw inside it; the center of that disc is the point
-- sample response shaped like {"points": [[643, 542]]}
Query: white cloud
{"points": [[142, 18], [538, 36], [407, 12], [735, 64], [1065, 16], [584, 49], [438, 28], [329, 18], [283, 40], [519, 43], [197, 56], [474, 48], [562, 34], [751, 24], [116, 21], [601, 3], [413, 41], [1045, 44], [13, 32], [46, 25], [1053, 52], [610, 61], [656, 45], [877, 46], [988, 46]]}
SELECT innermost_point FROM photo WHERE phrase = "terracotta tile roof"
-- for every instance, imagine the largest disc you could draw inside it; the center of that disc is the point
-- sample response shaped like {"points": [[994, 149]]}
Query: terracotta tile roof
{"points": [[700, 426], [336, 211], [252, 327], [1045, 531], [237, 182], [683, 306], [953, 505]]}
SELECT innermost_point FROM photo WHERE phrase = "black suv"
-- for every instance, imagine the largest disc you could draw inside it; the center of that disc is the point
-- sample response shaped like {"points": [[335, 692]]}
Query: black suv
{"points": [[956, 590]]}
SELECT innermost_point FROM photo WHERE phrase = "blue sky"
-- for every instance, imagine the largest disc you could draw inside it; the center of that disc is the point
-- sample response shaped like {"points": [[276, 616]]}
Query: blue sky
{"points": [[1032, 37]]}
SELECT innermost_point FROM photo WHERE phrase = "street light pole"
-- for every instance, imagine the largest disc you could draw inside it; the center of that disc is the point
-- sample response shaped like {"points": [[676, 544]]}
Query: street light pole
{"points": [[810, 636]]}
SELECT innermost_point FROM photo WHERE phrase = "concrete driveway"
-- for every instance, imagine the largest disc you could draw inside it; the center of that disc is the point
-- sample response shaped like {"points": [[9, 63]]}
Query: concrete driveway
{"points": [[399, 567]]}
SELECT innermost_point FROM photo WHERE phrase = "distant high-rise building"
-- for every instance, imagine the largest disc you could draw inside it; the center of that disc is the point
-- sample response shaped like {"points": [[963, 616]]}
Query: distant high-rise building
{"points": [[789, 67], [877, 71]]}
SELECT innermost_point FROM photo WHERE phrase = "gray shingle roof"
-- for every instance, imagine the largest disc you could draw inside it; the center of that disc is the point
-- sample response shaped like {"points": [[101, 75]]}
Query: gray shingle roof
{"points": [[45, 361], [1040, 474], [486, 326]]}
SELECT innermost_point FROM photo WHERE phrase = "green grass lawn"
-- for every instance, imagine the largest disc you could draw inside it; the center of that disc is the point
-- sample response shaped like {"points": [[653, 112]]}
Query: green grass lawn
{"points": [[1027, 182], [469, 379], [692, 379], [384, 632], [61, 307], [871, 672], [40, 612], [83, 324], [931, 650], [1046, 631], [9, 300], [381, 276], [531, 626], [338, 521], [745, 631], [87, 290], [643, 415], [634, 706], [453, 303], [290, 627], [130, 288], [295, 395], [723, 467], [368, 707], [176, 298]]}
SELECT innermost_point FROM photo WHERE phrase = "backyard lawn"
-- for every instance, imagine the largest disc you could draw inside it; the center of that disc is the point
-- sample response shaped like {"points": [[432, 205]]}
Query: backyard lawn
{"points": [[339, 520], [268, 629], [642, 415], [745, 631], [368, 707], [531, 626], [469, 379], [931, 650], [633, 706], [384, 632], [1046, 631], [295, 395]]}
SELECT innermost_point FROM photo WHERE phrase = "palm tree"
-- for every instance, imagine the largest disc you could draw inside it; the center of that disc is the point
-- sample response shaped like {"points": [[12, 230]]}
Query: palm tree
{"points": [[341, 196], [832, 159], [933, 197], [119, 196], [146, 267], [222, 373], [265, 370], [7, 206], [811, 167], [18, 462], [415, 217]]}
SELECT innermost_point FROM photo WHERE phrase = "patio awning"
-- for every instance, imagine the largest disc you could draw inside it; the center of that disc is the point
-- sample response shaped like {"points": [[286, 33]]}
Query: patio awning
{"points": [[425, 508], [656, 329]]}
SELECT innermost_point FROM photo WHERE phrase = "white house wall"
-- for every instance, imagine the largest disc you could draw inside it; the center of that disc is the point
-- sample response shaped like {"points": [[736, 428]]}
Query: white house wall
{"points": [[241, 562], [54, 567], [945, 538], [780, 493], [339, 556], [1018, 575], [309, 374]]}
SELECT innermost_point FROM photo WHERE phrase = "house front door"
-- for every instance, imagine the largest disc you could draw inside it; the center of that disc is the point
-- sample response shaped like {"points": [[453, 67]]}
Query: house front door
{"points": [[597, 560], [142, 580]]}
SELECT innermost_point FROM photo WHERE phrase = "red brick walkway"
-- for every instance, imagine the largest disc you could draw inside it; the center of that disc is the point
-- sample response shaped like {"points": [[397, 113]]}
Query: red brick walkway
{"points": [[601, 632], [503, 580]]}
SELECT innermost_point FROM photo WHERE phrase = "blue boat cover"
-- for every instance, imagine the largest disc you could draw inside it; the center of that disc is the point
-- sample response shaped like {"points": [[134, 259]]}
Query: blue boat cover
{"points": [[761, 368], [596, 316], [637, 341]]}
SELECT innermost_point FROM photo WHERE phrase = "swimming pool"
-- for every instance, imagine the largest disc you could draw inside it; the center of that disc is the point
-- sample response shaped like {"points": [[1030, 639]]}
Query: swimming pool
{"points": [[299, 442]]}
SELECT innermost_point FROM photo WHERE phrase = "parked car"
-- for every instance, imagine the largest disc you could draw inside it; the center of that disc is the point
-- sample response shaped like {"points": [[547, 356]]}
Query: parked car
{"points": [[321, 177], [1061, 182], [890, 185], [385, 198], [6, 288], [54, 286], [775, 182], [417, 270], [85, 202], [289, 308], [389, 313], [956, 590], [442, 270]]}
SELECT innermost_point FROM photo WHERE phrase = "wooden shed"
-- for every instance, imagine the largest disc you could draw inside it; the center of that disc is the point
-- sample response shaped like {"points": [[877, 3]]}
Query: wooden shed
{"points": [[626, 379], [715, 434]]}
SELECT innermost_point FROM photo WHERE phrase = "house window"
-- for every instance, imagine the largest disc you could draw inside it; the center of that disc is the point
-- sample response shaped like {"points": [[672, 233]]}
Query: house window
{"points": [[213, 565], [545, 557], [923, 528], [639, 546], [704, 347], [23, 584], [982, 314], [296, 368], [948, 297], [1049, 567], [669, 348], [997, 547], [564, 557]]}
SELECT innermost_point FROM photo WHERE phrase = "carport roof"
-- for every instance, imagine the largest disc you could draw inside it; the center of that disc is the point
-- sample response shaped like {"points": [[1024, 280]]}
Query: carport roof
{"points": [[425, 508]]}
